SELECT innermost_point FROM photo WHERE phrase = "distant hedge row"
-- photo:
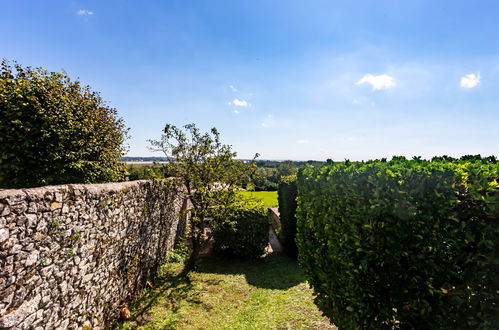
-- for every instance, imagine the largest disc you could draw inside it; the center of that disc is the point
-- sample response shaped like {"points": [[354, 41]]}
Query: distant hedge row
{"points": [[402, 243]]}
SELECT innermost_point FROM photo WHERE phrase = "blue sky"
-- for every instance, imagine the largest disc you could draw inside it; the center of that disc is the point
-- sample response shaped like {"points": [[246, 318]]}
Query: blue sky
{"points": [[287, 79]]}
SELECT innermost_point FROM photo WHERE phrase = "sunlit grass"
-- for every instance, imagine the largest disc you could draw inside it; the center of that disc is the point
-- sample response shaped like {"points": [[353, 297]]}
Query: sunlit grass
{"points": [[269, 198], [229, 294]]}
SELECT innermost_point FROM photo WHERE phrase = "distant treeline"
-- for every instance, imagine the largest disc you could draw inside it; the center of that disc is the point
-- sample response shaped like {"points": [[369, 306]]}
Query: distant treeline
{"points": [[292, 163], [259, 163], [266, 176], [143, 159]]}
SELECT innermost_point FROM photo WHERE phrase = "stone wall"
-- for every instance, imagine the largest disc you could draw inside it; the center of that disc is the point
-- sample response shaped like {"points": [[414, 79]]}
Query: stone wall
{"points": [[71, 256], [274, 218]]}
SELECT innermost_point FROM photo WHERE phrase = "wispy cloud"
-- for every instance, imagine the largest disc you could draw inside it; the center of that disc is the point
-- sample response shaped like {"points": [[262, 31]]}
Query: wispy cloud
{"points": [[84, 12], [268, 121], [233, 88], [363, 101], [238, 103], [470, 80], [382, 81], [302, 141], [235, 111]]}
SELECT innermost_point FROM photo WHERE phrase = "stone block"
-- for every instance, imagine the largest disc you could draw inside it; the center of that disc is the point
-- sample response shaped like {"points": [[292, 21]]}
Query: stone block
{"points": [[19, 314], [4, 235]]}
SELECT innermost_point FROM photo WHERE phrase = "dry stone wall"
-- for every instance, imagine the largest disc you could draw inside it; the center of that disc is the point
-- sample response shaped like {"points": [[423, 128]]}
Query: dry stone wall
{"points": [[71, 256]]}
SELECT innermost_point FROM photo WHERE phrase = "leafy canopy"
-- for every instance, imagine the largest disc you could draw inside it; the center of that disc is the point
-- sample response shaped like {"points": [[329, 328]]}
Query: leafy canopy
{"points": [[53, 130], [209, 173]]}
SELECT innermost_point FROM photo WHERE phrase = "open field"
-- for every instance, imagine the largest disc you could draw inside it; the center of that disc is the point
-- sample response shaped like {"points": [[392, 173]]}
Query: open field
{"points": [[229, 294], [269, 198]]}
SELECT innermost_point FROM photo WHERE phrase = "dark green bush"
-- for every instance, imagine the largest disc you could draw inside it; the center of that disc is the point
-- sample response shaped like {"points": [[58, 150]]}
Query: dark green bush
{"points": [[264, 179], [146, 172], [402, 244], [244, 233], [287, 212], [53, 131]]}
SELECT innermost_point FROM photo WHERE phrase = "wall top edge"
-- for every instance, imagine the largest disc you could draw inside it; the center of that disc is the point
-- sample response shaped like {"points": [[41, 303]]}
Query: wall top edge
{"points": [[91, 187]]}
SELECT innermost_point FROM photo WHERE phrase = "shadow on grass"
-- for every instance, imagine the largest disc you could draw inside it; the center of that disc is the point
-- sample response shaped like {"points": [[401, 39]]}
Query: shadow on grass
{"points": [[171, 287], [274, 271]]}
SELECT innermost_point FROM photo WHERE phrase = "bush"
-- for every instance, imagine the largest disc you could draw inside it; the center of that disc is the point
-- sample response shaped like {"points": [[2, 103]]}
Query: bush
{"points": [[287, 212], [402, 244], [53, 131], [245, 231], [264, 179], [146, 172]]}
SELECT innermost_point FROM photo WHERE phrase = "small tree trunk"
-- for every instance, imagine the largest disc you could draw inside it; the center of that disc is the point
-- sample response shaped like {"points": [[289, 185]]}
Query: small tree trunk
{"points": [[191, 262], [196, 249]]}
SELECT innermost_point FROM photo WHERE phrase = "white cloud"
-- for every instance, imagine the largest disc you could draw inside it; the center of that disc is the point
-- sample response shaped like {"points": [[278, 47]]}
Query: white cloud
{"points": [[302, 141], [84, 12], [233, 88], [382, 81], [236, 111], [470, 80], [268, 121], [239, 103]]}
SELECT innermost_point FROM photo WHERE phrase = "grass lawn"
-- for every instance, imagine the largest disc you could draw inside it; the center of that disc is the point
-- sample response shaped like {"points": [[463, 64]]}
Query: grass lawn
{"points": [[269, 198], [229, 294]]}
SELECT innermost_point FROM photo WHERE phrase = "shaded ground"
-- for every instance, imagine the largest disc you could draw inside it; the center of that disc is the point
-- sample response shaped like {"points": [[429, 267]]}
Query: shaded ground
{"points": [[270, 293]]}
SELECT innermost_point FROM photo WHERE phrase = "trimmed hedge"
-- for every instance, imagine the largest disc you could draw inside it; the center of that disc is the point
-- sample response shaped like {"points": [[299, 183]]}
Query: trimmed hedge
{"points": [[244, 233], [404, 243], [287, 213]]}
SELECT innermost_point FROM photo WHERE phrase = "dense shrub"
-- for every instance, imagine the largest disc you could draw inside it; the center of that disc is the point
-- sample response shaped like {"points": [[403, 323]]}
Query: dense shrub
{"points": [[287, 212], [264, 179], [244, 233], [402, 244], [53, 130]]}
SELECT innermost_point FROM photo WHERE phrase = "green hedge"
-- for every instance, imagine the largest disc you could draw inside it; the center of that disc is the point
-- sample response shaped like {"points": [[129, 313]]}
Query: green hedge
{"points": [[244, 233], [53, 130], [404, 243], [287, 212]]}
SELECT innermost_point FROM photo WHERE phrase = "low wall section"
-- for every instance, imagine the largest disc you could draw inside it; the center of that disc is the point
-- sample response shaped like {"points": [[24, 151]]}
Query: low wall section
{"points": [[72, 255]]}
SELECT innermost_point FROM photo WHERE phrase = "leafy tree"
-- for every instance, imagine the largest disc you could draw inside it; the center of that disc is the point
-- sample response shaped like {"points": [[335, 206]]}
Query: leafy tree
{"points": [[286, 168], [210, 174], [264, 178], [53, 130]]}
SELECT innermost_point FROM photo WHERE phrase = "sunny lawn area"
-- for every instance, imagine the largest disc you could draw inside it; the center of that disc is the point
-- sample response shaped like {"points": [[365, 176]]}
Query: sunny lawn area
{"points": [[269, 198], [229, 294]]}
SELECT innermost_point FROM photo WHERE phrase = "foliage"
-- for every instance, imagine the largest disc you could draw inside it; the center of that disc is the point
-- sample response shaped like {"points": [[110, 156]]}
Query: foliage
{"points": [[287, 212], [53, 130], [178, 254], [295, 164], [267, 175], [402, 243], [263, 179], [286, 168], [209, 173], [146, 172], [244, 230]]}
